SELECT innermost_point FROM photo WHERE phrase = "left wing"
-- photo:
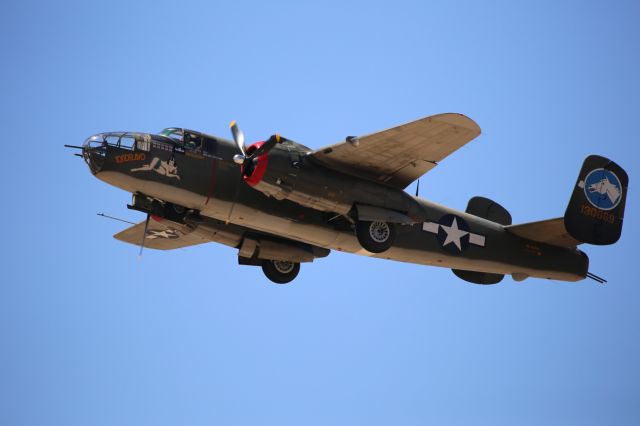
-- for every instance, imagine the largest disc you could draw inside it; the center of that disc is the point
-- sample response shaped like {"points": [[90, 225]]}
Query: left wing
{"points": [[402, 154], [163, 235]]}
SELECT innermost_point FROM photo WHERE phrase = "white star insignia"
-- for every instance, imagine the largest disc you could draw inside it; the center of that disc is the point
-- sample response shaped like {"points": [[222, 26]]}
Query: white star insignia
{"points": [[454, 234], [169, 234]]}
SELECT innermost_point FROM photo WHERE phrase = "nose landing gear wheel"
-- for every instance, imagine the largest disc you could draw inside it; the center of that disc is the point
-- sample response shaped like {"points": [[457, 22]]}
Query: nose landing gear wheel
{"points": [[280, 272], [377, 236]]}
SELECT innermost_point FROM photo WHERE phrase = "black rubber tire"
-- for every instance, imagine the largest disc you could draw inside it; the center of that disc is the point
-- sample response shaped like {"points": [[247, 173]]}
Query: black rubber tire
{"points": [[179, 210], [175, 212], [278, 276], [363, 233]]}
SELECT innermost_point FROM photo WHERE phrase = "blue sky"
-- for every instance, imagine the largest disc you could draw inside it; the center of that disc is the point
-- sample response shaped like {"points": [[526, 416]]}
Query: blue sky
{"points": [[92, 335]]}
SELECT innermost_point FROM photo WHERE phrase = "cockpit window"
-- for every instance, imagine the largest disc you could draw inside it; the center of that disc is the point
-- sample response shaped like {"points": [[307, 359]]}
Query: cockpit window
{"points": [[125, 140], [174, 133], [192, 141]]}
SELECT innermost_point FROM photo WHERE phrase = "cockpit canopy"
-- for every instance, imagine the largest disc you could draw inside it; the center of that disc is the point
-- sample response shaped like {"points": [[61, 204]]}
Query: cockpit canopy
{"points": [[175, 133], [188, 138], [180, 139], [125, 140], [128, 140]]}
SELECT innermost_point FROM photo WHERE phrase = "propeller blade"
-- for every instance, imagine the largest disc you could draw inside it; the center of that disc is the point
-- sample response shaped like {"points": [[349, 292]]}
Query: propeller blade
{"points": [[144, 234], [266, 147], [238, 136]]}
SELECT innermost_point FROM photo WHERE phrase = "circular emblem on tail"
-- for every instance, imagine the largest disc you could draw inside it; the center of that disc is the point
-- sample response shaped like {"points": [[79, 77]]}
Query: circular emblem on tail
{"points": [[603, 189]]}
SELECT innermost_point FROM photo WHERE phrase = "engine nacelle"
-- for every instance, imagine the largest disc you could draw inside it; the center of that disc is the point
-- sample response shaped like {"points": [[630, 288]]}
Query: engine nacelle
{"points": [[286, 173], [483, 278], [283, 175]]}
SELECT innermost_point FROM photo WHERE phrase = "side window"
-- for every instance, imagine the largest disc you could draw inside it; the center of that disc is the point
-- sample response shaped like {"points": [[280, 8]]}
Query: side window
{"points": [[143, 142], [210, 146], [192, 142]]}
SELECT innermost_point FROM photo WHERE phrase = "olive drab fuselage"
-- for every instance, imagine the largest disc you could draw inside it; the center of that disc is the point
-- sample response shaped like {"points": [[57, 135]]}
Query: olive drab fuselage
{"points": [[299, 200]]}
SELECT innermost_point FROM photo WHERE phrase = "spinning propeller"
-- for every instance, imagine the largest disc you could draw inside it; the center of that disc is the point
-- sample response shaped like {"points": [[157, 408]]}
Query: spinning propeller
{"points": [[247, 161], [242, 158]]}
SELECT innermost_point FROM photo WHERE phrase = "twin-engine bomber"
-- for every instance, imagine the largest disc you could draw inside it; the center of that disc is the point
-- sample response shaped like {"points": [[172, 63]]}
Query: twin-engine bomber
{"points": [[280, 203]]}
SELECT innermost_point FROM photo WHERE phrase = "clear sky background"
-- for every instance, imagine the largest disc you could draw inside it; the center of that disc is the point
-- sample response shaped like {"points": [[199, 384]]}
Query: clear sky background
{"points": [[90, 335]]}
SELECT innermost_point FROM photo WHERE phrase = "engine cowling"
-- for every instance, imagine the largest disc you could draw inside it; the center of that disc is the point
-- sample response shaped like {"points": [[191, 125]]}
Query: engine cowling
{"points": [[284, 175], [253, 172]]}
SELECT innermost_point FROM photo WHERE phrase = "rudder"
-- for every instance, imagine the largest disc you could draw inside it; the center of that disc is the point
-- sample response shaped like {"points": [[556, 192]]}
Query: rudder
{"points": [[596, 209]]}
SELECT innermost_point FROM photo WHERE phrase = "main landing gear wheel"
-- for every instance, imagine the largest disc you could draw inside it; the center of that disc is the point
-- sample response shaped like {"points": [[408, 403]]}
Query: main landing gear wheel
{"points": [[279, 271], [377, 236]]}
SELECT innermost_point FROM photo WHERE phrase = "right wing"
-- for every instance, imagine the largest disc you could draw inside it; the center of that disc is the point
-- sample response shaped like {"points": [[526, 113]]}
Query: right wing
{"points": [[550, 231], [400, 155], [163, 235]]}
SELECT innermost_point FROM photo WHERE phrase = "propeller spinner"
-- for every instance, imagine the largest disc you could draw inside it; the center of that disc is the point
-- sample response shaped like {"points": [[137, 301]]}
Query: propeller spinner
{"points": [[242, 158]]}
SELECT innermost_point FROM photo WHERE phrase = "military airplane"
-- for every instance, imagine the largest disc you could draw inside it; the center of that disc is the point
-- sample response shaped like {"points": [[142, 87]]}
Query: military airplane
{"points": [[280, 203]]}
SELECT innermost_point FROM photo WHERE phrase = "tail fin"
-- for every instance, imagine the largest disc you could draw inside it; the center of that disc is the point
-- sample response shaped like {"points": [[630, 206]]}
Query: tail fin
{"points": [[596, 209]]}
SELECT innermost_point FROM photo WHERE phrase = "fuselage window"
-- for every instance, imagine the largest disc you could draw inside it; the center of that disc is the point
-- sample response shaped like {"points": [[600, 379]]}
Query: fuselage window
{"points": [[120, 140], [192, 142], [210, 145], [143, 142]]}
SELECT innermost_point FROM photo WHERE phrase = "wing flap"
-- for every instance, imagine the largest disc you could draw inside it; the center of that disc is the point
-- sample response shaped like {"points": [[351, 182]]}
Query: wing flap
{"points": [[402, 154], [163, 235], [550, 231]]}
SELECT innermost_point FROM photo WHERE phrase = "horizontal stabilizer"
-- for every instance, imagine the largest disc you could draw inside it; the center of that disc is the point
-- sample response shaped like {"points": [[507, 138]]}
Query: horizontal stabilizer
{"points": [[550, 231]]}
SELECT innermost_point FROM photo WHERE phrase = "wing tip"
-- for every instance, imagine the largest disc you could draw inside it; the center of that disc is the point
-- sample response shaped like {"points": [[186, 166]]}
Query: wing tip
{"points": [[459, 120]]}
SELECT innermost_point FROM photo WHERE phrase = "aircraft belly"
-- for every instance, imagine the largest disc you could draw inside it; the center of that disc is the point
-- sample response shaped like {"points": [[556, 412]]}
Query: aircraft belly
{"points": [[312, 233], [254, 218], [489, 247], [413, 247]]}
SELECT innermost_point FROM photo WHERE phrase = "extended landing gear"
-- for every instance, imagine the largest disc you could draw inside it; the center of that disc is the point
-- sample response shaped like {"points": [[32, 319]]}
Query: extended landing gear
{"points": [[375, 237], [279, 271]]}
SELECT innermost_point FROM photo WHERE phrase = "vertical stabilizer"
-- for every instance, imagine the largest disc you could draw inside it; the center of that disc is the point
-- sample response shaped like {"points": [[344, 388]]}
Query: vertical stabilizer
{"points": [[596, 209]]}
